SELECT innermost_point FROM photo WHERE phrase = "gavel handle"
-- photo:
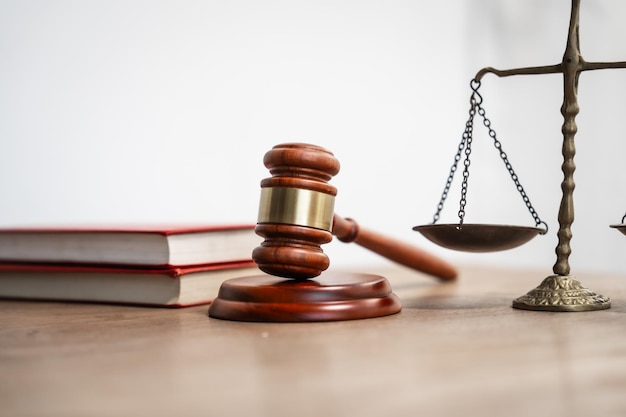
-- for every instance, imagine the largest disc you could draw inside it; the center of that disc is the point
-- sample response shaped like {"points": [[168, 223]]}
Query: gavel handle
{"points": [[347, 230]]}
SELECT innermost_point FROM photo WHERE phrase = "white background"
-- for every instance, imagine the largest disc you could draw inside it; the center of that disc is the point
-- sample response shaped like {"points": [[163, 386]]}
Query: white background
{"points": [[161, 111]]}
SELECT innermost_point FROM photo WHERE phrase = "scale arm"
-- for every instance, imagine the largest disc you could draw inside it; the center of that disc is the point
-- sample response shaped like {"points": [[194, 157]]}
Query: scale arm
{"points": [[547, 69], [590, 66]]}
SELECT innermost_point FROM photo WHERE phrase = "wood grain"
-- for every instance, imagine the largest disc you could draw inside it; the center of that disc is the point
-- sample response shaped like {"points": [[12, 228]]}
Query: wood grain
{"points": [[456, 349]]}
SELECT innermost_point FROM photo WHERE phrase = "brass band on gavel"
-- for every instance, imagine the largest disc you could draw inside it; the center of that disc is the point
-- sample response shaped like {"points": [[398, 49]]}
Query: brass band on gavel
{"points": [[296, 206]]}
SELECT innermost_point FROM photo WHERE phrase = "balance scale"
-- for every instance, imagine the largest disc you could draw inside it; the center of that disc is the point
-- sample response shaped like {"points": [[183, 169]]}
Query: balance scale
{"points": [[560, 291]]}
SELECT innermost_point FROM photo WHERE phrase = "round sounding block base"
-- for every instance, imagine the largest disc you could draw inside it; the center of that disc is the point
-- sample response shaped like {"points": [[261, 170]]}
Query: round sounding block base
{"points": [[328, 297]]}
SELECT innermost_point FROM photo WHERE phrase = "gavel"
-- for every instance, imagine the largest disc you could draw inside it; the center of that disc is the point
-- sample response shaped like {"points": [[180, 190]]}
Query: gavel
{"points": [[296, 216]]}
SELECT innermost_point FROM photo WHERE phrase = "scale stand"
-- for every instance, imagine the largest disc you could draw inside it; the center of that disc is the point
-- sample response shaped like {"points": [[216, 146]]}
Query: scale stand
{"points": [[561, 291]]}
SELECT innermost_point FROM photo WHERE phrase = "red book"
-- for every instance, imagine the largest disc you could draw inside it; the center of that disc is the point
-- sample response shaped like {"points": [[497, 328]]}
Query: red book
{"points": [[171, 287], [153, 246]]}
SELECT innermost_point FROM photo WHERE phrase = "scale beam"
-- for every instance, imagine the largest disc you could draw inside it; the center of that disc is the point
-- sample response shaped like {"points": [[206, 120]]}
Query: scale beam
{"points": [[548, 69]]}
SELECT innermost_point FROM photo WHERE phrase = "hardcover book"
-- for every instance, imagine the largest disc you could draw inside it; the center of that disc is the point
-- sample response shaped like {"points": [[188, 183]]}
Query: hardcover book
{"points": [[172, 287], [142, 245]]}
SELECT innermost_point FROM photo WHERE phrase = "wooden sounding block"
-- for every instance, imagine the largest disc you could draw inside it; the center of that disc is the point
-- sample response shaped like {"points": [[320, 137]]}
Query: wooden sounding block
{"points": [[329, 297], [296, 217]]}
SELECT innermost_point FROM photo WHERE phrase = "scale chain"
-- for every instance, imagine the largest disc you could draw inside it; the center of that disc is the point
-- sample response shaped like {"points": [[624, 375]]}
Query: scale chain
{"points": [[466, 135], [466, 147]]}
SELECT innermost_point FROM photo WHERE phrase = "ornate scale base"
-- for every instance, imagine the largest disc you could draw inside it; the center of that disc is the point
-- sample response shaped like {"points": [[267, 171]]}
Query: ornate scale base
{"points": [[329, 297], [561, 293]]}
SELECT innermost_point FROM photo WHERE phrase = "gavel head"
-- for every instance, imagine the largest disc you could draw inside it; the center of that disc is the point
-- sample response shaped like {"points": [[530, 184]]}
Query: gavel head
{"points": [[296, 211]]}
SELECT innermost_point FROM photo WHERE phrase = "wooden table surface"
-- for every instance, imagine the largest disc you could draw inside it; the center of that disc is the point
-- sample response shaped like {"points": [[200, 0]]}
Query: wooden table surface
{"points": [[456, 349]]}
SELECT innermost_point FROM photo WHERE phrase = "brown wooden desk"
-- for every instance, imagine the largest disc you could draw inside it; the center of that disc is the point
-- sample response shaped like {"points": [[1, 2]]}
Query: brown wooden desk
{"points": [[455, 350]]}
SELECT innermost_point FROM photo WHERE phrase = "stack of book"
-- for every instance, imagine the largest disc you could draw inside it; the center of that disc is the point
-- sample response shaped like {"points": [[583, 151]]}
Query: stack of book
{"points": [[156, 266]]}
